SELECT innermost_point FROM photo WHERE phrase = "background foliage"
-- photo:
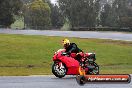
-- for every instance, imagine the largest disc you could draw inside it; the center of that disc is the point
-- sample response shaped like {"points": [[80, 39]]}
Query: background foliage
{"points": [[42, 14]]}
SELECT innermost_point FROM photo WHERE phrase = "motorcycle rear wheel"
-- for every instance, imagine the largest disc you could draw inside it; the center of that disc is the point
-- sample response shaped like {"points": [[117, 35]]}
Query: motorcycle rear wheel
{"points": [[94, 71], [59, 71]]}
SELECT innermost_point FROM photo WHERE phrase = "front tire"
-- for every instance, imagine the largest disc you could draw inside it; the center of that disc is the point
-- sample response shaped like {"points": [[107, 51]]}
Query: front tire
{"points": [[59, 69]]}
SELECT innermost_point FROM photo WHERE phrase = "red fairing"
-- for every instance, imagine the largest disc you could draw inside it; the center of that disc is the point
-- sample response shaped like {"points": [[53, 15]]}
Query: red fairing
{"points": [[71, 64], [73, 55], [59, 52]]}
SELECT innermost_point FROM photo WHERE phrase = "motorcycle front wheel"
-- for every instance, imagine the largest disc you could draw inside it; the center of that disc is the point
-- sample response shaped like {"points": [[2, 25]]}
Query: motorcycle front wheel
{"points": [[59, 69]]}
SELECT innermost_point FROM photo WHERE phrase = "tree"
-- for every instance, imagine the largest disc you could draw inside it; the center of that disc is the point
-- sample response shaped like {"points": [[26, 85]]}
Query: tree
{"points": [[124, 12], [9, 8], [81, 13], [109, 16], [37, 15], [126, 21], [57, 19], [117, 14]]}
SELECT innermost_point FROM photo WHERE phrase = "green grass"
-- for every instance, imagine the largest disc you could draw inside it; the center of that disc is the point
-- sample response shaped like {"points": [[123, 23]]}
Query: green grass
{"points": [[32, 54]]}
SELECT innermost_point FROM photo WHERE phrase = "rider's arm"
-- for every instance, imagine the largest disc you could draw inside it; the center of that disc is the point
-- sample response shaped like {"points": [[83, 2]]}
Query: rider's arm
{"points": [[74, 46]]}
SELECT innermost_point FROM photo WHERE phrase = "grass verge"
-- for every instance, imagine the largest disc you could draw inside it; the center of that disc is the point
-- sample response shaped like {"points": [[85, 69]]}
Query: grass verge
{"points": [[32, 54]]}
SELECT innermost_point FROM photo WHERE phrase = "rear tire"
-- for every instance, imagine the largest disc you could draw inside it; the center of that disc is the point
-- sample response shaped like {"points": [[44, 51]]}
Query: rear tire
{"points": [[59, 71], [94, 71]]}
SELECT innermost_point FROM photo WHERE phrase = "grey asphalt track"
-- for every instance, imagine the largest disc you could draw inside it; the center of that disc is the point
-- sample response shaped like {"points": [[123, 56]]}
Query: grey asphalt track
{"points": [[51, 82], [80, 34]]}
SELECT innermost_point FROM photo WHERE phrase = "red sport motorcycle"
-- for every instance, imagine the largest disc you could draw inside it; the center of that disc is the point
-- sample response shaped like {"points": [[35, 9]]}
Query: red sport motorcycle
{"points": [[67, 64]]}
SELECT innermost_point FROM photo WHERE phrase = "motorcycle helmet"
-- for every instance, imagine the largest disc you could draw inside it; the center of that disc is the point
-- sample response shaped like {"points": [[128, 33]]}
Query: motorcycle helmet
{"points": [[65, 43]]}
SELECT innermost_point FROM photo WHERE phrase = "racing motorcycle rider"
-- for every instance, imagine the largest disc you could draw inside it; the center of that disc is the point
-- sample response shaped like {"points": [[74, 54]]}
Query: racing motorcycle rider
{"points": [[71, 48]]}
